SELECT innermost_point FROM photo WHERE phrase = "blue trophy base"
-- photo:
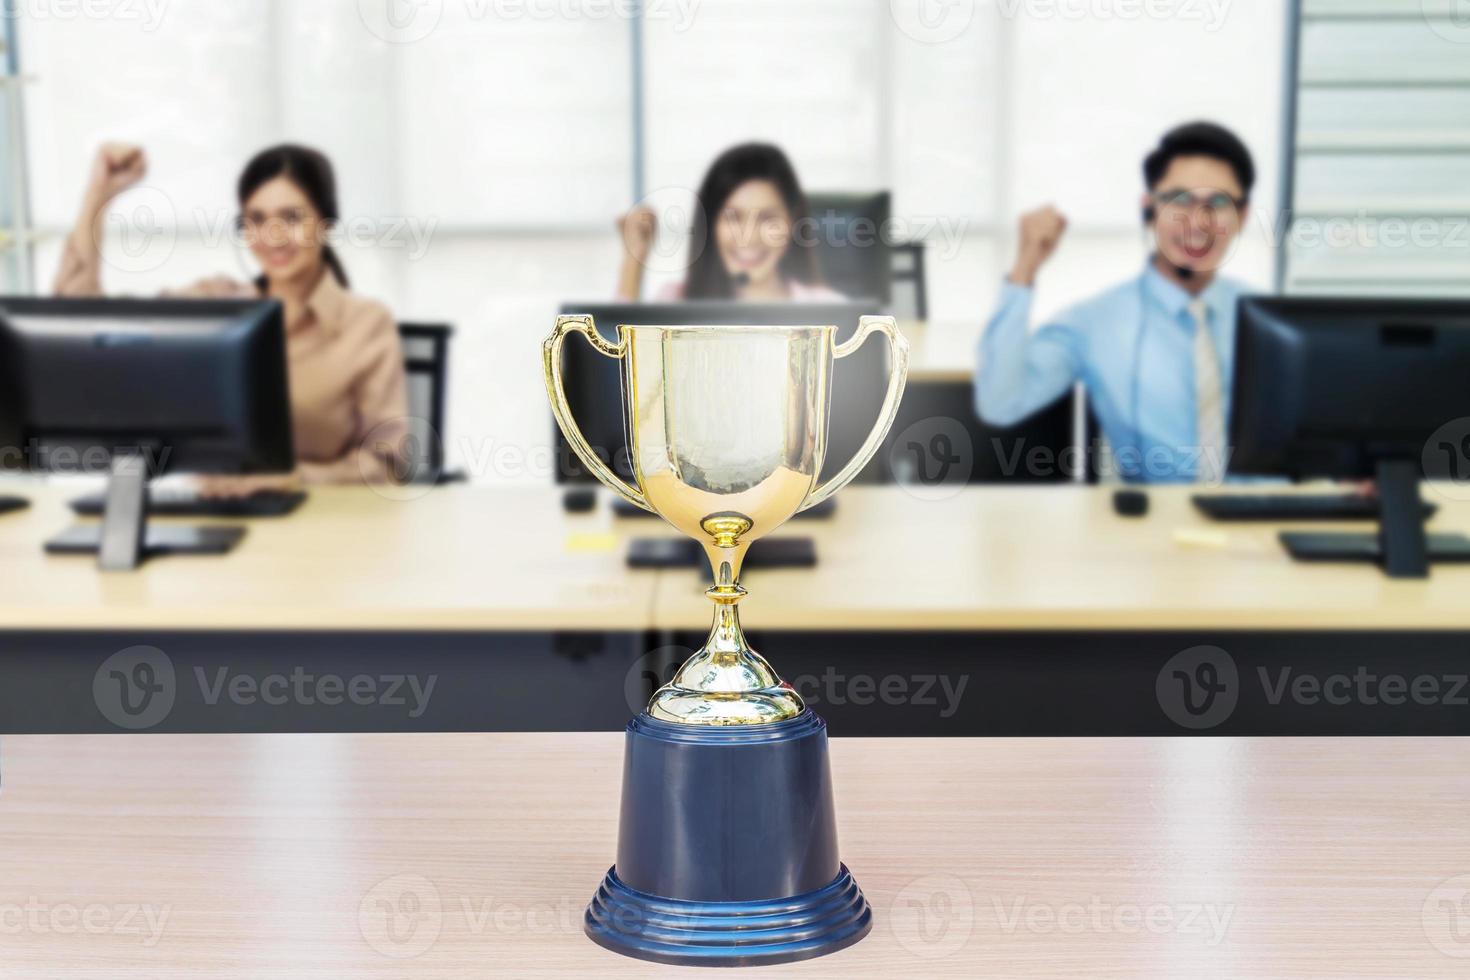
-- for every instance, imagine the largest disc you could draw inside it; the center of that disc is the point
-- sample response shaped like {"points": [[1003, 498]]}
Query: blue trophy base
{"points": [[727, 848], [667, 930]]}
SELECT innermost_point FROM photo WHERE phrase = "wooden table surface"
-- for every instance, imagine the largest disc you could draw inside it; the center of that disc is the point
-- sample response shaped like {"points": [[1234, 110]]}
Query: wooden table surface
{"points": [[458, 856]]}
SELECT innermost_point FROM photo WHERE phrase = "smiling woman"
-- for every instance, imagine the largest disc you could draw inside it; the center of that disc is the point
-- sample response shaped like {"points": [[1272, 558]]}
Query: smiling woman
{"points": [[348, 391], [742, 243]]}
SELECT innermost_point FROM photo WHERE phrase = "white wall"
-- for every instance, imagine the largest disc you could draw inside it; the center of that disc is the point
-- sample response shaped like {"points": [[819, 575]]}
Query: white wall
{"points": [[506, 140]]}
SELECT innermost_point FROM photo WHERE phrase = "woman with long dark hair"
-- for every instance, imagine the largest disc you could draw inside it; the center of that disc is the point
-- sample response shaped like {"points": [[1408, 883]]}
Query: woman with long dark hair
{"points": [[744, 242], [346, 366]]}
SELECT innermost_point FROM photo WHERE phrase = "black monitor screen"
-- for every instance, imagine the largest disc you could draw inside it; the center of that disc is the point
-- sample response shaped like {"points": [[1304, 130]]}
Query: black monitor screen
{"points": [[198, 385], [1329, 387]]}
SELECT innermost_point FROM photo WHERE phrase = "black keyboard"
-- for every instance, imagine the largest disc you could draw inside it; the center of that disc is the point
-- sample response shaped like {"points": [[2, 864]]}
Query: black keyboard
{"points": [[187, 503], [778, 552], [621, 508], [1292, 507]]}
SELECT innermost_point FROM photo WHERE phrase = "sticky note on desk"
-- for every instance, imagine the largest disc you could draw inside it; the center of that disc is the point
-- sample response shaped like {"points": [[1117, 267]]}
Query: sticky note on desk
{"points": [[1213, 540], [606, 541], [1198, 537]]}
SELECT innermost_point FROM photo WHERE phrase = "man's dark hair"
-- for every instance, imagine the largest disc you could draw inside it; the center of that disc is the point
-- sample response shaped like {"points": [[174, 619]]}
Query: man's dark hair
{"points": [[1200, 139]]}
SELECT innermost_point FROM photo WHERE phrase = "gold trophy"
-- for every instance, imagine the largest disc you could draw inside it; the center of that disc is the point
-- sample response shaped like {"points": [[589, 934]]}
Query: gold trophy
{"points": [[727, 434]]}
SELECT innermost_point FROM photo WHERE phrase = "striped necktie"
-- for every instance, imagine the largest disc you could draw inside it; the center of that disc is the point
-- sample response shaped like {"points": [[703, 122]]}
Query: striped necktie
{"points": [[1209, 406]]}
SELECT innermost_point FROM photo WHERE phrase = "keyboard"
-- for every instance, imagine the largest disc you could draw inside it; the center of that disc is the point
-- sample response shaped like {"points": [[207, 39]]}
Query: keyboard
{"points": [[187, 503], [777, 552], [1292, 507], [621, 508]]}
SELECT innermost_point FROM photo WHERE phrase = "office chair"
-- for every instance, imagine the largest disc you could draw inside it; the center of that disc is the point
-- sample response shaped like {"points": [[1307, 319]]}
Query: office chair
{"points": [[910, 292], [426, 362], [938, 440], [852, 252]]}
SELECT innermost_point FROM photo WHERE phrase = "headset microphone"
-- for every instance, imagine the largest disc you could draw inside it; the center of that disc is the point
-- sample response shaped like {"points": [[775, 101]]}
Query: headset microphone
{"points": [[740, 280], [1182, 271]]}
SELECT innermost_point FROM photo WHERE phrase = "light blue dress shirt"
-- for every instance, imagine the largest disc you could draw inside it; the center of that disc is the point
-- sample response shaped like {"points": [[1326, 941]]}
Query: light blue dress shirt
{"points": [[1132, 347]]}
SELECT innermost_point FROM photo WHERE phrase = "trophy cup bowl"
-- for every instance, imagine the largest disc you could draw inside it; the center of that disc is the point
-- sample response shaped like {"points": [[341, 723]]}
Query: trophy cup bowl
{"points": [[727, 848]]}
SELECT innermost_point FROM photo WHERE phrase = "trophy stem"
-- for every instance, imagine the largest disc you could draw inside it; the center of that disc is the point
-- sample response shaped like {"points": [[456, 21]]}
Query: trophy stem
{"points": [[726, 682], [726, 642]]}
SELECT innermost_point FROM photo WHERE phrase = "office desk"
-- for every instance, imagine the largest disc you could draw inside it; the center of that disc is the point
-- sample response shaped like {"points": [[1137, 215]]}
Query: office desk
{"points": [[454, 558], [285, 855], [1038, 611], [498, 594], [991, 611], [1059, 558]]}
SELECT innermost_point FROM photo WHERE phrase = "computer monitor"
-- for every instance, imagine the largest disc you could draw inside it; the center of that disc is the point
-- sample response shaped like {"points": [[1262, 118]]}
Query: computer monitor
{"points": [[594, 386], [138, 388], [849, 233], [1353, 389]]}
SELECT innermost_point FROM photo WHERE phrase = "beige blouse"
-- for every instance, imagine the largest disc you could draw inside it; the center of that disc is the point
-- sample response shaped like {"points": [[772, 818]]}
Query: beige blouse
{"points": [[349, 394]]}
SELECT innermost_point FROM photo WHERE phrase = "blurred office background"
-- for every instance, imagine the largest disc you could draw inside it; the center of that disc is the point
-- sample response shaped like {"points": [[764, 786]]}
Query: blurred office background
{"points": [[484, 149]]}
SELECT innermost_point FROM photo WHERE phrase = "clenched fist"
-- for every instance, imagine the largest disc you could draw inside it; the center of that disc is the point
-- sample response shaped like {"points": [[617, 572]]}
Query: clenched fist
{"points": [[1041, 230], [118, 166], [639, 228]]}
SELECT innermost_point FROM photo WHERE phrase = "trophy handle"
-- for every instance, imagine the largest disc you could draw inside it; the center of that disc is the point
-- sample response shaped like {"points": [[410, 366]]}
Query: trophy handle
{"points": [[551, 362], [898, 372]]}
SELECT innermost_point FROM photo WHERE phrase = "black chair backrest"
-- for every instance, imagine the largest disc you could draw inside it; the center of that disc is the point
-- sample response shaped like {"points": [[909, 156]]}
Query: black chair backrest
{"points": [[848, 233], [938, 440], [910, 293], [426, 362]]}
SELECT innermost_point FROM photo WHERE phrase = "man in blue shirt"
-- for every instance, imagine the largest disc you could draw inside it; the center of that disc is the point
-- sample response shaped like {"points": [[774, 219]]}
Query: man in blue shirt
{"points": [[1155, 352]]}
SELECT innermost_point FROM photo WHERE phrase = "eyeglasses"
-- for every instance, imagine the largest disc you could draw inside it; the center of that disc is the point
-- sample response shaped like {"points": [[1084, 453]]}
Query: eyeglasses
{"points": [[255, 220], [1212, 203]]}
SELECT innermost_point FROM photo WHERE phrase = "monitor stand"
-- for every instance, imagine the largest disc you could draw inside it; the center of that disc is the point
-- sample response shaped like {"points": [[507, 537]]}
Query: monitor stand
{"points": [[124, 538], [1401, 546]]}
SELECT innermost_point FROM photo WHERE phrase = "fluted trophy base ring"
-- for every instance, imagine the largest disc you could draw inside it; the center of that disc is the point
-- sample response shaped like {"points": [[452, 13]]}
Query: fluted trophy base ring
{"points": [[786, 930], [764, 707]]}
